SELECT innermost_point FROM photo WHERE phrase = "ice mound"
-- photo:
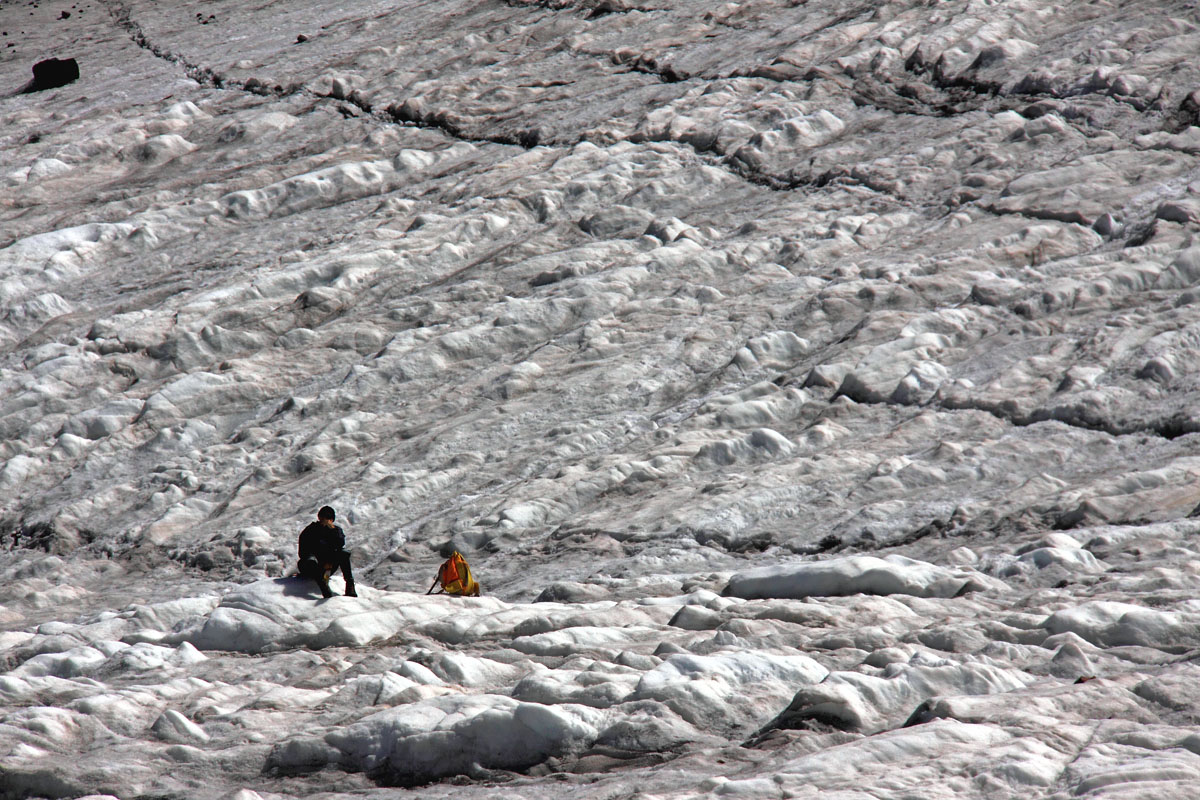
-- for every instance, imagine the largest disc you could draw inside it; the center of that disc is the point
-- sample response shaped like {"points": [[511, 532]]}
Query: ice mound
{"points": [[902, 760], [761, 443], [599, 686], [81, 240], [777, 349], [873, 703], [444, 736], [580, 638], [710, 689], [69, 663], [892, 574], [175, 727], [1112, 624], [48, 168], [334, 184], [285, 613], [157, 149]]}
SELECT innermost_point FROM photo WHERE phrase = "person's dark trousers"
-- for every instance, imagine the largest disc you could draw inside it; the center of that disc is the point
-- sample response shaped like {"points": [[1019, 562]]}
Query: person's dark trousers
{"points": [[311, 568], [342, 561]]}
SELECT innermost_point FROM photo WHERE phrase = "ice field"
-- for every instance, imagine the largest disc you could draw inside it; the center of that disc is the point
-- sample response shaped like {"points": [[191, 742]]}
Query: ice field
{"points": [[814, 388]]}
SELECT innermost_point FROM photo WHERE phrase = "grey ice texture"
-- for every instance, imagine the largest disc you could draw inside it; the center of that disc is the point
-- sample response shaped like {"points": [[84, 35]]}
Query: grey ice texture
{"points": [[813, 387]]}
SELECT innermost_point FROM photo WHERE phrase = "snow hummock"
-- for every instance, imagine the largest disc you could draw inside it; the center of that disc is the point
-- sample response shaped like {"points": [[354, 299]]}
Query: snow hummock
{"points": [[892, 574], [452, 735], [280, 614]]}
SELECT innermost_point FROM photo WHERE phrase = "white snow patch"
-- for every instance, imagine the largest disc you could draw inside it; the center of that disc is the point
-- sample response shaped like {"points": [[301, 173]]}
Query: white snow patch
{"points": [[893, 574]]}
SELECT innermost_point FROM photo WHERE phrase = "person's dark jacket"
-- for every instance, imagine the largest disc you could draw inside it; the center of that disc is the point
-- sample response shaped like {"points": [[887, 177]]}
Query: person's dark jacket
{"points": [[321, 542]]}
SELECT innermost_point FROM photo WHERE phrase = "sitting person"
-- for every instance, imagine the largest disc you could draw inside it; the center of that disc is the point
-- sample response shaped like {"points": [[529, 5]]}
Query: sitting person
{"points": [[322, 550]]}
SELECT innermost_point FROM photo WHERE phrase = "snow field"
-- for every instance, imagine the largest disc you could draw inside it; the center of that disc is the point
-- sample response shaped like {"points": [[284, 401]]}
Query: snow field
{"points": [[546, 682], [825, 371]]}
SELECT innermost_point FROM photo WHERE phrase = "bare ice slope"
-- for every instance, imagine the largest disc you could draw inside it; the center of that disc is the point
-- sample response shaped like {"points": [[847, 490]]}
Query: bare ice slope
{"points": [[812, 387]]}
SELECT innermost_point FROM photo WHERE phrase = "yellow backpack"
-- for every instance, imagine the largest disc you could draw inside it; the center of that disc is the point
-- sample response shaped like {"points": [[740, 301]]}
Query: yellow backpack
{"points": [[455, 577]]}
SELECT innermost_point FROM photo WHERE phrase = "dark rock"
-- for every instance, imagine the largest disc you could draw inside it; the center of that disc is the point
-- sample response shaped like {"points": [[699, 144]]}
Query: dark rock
{"points": [[1108, 226], [51, 74], [1189, 108], [529, 138], [554, 276], [617, 222], [1157, 369], [778, 71], [1182, 211]]}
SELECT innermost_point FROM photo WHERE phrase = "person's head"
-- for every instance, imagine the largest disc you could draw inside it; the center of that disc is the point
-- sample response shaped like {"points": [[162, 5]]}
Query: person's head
{"points": [[326, 515]]}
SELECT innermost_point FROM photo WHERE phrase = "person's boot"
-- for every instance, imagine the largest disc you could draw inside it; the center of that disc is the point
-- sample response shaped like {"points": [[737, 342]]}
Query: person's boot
{"points": [[350, 590], [325, 590]]}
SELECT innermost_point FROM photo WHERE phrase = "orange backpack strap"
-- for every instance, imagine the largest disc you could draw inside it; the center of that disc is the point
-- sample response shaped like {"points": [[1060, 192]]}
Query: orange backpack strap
{"points": [[440, 578]]}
